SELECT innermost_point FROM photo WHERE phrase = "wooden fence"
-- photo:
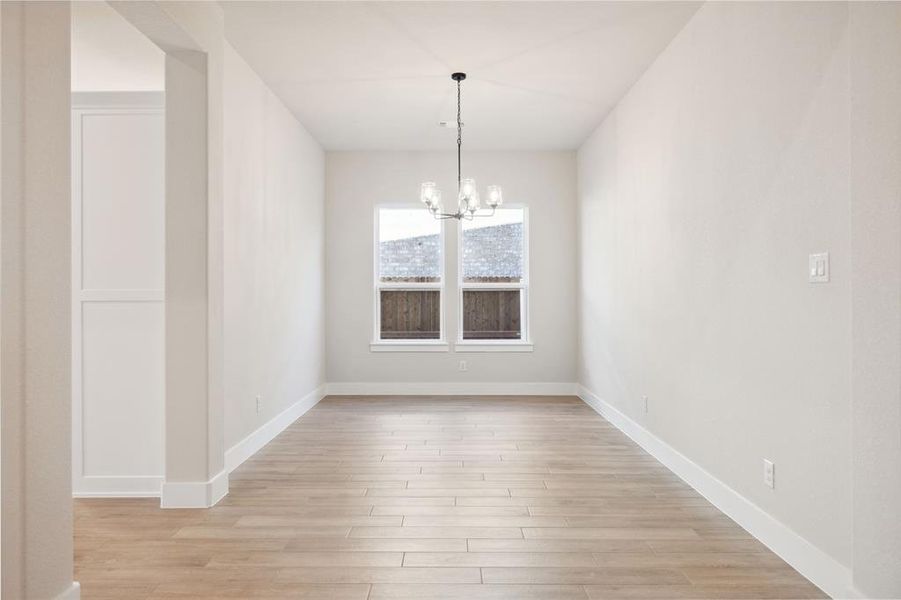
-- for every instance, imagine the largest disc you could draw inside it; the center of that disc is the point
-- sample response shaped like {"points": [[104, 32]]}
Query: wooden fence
{"points": [[411, 314], [491, 315]]}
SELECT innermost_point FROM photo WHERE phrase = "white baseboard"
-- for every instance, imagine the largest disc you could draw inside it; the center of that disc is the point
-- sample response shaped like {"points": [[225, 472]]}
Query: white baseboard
{"points": [[824, 571], [117, 487], [452, 388], [252, 444], [194, 494], [73, 592]]}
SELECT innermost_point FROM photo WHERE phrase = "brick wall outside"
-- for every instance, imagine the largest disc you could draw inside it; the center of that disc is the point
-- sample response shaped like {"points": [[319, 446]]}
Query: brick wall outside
{"points": [[490, 253]]}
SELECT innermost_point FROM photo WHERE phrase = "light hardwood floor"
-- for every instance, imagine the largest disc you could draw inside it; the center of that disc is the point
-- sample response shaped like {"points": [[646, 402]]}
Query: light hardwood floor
{"points": [[426, 498]]}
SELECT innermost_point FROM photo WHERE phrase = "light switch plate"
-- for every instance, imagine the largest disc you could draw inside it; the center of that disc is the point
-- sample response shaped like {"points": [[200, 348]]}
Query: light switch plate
{"points": [[818, 268]]}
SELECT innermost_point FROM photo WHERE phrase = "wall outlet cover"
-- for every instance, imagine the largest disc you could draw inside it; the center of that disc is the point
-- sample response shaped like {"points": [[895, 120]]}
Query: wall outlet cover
{"points": [[769, 474]]}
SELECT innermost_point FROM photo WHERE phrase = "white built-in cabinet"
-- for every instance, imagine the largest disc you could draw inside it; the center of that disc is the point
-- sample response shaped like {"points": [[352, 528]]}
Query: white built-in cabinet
{"points": [[118, 278]]}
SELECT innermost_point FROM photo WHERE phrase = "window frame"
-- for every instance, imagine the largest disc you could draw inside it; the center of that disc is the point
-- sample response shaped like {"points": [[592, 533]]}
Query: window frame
{"points": [[406, 345], [524, 344]]}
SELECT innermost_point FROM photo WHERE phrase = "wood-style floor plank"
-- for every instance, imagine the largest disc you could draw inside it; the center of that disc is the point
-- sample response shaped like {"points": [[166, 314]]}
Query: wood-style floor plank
{"points": [[435, 498], [477, 592]]}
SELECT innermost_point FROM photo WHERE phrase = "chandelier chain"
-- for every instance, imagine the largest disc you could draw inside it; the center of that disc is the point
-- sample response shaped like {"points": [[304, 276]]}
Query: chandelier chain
{"points": [[459, 140]]}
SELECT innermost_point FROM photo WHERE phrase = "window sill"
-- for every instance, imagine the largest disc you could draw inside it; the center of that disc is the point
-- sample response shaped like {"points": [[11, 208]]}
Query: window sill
{"points": [[409, 346], [494, 346]]}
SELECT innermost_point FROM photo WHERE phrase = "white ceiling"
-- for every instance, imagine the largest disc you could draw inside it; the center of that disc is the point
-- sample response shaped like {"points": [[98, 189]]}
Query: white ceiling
{"points": [[376, 75]]}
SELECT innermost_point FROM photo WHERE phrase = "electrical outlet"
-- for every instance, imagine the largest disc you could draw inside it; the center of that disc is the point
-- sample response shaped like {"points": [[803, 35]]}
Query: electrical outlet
{"points": [[769, 474], [462, 365], [645, 400], [259, 404]]}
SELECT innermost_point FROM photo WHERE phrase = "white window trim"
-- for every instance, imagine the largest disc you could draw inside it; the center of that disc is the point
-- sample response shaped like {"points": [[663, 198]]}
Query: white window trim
{"points": [[521, 345], [494, 346], [413, 345], [409, 346]]}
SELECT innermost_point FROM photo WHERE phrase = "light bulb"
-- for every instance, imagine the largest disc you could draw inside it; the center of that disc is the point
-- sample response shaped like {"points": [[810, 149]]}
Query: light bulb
{"points": [[467, 188], [435, 204], [474, 202], [467, 192], [428, 191], [495, 196]]}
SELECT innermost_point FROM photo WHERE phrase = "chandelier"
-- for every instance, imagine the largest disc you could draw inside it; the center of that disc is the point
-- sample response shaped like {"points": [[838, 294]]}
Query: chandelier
{"points": [[469, 203]]}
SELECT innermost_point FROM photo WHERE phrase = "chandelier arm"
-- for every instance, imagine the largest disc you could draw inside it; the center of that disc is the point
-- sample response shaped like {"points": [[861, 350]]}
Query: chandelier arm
{"points": [[461, 216], [491, 214]]}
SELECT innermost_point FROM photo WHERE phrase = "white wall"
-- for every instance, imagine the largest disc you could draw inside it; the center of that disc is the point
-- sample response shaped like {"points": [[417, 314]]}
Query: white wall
{"points": [[763, 133], [876, 294], [109, 54], [273, 254], [245, 245], [356, 182], [35, 307], [701, 196]]}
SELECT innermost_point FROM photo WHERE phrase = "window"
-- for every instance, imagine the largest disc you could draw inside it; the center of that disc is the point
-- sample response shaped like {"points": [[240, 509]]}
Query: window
{"points": [[494, 279], [409, 277]]}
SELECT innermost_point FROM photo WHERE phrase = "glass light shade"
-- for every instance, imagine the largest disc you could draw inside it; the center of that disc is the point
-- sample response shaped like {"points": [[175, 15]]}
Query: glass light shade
{"points": [[495, 196], [467, 188], [428, 191]]}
